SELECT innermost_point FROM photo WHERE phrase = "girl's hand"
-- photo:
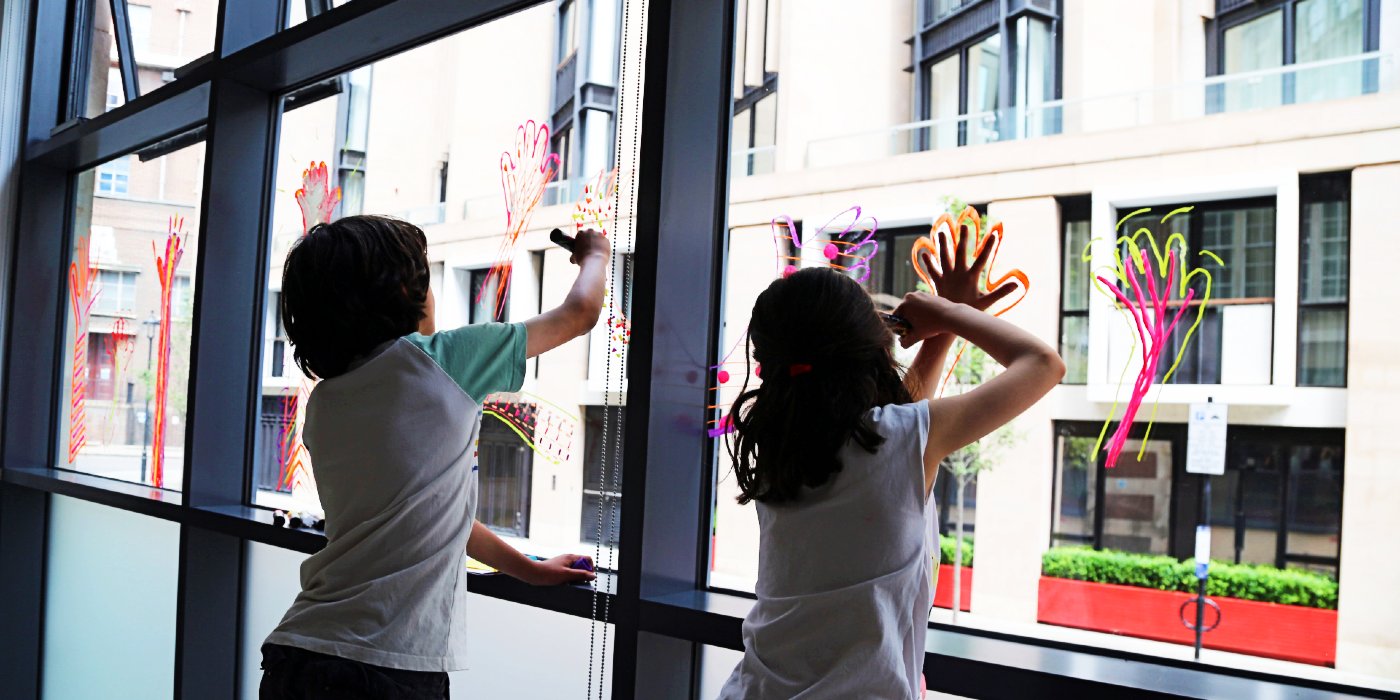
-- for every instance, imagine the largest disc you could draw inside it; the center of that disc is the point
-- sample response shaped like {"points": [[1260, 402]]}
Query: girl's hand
{"points": [[928, 316], [559, 570], [958, 281]]}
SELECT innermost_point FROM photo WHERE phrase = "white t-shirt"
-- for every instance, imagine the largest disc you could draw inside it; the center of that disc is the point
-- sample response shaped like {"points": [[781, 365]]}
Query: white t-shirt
{"points": [[393, 444], [845, 577]]}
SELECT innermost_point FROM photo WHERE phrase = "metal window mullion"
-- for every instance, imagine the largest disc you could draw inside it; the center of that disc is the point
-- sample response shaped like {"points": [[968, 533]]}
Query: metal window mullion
{"points": [[683, 199], [126, 53]]}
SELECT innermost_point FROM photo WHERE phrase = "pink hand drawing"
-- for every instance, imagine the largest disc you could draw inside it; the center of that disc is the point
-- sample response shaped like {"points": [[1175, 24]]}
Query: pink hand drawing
{"points": [[316, 198], [524, 174]]}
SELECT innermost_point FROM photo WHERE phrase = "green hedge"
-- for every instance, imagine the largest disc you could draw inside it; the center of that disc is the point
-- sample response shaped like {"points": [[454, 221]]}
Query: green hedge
{"points": [[1244, 581], [947, 550]]}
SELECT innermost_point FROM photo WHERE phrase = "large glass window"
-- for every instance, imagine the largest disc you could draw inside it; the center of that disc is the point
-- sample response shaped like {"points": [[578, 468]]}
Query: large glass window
{"points": [[439, 162], [130, 318], [1329, 29], [1051, 557], [755, 129]]}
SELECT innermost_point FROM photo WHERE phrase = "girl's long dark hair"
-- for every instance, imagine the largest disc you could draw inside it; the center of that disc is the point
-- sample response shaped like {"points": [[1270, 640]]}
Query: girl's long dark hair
{"points": [[788, 430]]}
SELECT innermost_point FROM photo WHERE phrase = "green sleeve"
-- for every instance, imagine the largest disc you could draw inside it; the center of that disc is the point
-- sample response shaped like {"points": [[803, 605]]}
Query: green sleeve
{"points": [[483, 359]]}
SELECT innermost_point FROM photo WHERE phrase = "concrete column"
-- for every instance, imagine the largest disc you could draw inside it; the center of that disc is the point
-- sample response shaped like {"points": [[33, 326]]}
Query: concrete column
{"points": [[1368, 640], [1013, 498]]}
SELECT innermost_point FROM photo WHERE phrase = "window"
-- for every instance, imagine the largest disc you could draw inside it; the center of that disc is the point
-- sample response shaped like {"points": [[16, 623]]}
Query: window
{"points": [[755, 129], [602, 479], [568, 30], [1323, 266], [116, 293], [1074, 290], [980, 85], [394, 142], [485, 307], [1241, 233], [1325, 39], [1279, 502], [140, 18], [140, 259], [114, 177], [504, 477]]}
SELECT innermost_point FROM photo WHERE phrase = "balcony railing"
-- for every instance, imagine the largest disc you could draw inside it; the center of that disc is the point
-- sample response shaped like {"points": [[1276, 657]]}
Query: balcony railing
{"points": [[759, 160], [1319, 81]]}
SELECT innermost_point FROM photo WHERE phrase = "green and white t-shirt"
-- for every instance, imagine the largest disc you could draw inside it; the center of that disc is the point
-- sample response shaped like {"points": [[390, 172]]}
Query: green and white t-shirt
{"points": [[393, 445]]}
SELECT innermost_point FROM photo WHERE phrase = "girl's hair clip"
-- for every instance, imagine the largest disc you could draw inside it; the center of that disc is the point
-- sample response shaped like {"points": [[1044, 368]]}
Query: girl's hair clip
{"points": [[797, 369]]}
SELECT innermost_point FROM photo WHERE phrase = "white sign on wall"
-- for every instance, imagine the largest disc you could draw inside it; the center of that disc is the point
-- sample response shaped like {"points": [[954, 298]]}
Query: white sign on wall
{"points": [[1205, 439]]}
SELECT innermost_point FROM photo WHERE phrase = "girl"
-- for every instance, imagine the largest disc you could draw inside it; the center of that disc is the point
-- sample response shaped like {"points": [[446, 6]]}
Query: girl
{"points": [[837, 449]]}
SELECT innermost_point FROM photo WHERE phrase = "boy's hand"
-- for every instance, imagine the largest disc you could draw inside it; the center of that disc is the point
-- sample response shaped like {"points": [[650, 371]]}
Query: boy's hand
{"points": [[589, 243], [959, 281], [559, 570], [927, 315]]}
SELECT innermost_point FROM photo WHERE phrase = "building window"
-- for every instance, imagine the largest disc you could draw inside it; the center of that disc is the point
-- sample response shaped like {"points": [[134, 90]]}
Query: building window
{"points": [[114, 177], [102, 366], [1129, 509], [755, 128], [484, 306], [1241, 233], [117, 293], [568, 31], [140, 18], [1280, 500], [353, 128], [277, 344], [1074, 290], [505, 478], [1323, 267], [601, 496], [1293, 32], [980, 84]]}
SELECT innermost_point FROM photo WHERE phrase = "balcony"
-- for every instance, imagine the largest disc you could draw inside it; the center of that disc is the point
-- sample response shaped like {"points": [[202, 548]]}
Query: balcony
{"points": [[1331, 79]]}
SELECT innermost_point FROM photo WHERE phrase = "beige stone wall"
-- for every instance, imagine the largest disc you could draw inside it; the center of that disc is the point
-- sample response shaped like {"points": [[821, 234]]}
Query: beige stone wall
{"points": [[1368, 636]]}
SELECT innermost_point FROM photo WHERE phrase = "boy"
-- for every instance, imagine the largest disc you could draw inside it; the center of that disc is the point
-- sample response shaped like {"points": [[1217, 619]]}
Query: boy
{"points": [[392, 430]]}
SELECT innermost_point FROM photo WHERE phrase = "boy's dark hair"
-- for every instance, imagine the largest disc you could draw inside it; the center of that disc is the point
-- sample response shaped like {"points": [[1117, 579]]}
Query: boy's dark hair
{"points": [[351, 285], [826, 358]]}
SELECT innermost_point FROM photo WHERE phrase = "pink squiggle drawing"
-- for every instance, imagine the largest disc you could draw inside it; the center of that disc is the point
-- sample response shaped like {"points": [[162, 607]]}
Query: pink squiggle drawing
{"points": [[845, 250], [1153, 332], [1149, 325]]}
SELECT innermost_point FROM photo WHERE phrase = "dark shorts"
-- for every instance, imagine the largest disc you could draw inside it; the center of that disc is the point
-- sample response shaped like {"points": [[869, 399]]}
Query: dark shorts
{"points": [[290, 673]]}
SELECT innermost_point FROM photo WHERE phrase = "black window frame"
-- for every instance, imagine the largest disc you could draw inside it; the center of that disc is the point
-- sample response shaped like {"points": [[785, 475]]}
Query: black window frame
{"points": [[660, 610], [938, 38]]}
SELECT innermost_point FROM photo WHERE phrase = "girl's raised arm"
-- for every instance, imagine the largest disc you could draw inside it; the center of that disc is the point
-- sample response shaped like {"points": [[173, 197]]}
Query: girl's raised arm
{"points": [[1032, 369]]}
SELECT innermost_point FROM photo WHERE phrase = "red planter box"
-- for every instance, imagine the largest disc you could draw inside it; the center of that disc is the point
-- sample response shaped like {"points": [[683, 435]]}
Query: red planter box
{"points": [[943, 594], [1288, 632]]}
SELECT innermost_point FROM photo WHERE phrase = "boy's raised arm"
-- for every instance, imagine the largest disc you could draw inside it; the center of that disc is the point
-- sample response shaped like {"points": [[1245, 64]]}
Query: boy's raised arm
{"points": [[581, 307]]}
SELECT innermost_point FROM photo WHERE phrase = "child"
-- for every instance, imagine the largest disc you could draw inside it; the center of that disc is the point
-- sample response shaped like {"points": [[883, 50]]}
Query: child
{"points": [[841, 453], [392, 430]]}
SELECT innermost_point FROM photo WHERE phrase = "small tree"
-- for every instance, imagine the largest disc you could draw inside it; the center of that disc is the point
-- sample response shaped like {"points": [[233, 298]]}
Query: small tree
{"points": [[974, 369]]}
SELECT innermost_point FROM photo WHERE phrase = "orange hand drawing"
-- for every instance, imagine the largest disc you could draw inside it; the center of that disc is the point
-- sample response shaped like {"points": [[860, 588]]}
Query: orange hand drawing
{"points": [[943, 264]]}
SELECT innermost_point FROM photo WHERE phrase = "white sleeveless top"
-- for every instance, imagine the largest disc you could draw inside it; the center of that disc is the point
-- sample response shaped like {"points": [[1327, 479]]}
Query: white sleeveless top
{"points": [[845, 577]]}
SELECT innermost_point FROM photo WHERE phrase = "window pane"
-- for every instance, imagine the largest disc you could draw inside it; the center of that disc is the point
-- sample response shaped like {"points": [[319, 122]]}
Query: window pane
{"points": [[129, 319], [1074, 348], [1035, 79], [1281, 297], [1324, 259], [983, 90], [1322, 347], [1075, 483], [943, 102], [109, 603], [1329, 29], [392, 140], [1252, 46], [167, 36]]}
